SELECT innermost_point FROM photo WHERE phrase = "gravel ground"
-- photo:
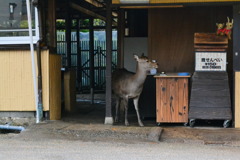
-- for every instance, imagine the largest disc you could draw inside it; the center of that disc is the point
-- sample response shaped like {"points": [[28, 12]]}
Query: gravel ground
{"points": [[83, 136], [16, 147], [60, 140]]}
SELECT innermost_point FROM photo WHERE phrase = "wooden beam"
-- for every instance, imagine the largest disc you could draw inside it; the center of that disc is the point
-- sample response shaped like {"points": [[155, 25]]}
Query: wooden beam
{"points": [[86, 11], [115, 1], [179, 1], [98, 4], [149, 7], [90, 13], [190, 1], [95, 3]]}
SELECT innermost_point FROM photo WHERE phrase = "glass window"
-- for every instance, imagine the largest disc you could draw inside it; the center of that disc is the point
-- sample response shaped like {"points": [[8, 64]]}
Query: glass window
{"points": [[14, 22]]}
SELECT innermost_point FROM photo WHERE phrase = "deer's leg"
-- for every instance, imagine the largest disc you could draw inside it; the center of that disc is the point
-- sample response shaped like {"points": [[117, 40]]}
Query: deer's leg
{"points": [[125, 103], [135, 101], [118, 99], [229, 36]]}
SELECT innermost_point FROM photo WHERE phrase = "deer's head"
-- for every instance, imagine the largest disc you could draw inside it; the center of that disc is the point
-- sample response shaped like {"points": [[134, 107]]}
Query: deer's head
{"points": [[229, 25], [145, 63], [220, 25]]}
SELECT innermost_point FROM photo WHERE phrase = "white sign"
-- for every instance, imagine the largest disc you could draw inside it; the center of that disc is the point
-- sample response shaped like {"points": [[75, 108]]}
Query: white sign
{"points": [[210, 61]]}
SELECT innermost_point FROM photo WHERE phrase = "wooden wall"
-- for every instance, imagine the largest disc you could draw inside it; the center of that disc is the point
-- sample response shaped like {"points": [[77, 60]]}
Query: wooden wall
{"points": [[237, 100], [16, 82], [171, 31]]}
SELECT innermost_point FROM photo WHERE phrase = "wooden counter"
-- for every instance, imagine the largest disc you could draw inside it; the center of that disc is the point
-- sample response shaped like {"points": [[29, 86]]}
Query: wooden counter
{"points": [[171, 98]]}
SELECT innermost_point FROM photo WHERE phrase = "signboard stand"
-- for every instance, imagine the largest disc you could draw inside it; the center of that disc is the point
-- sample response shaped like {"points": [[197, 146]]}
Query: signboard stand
{"points": [[210, 94]]}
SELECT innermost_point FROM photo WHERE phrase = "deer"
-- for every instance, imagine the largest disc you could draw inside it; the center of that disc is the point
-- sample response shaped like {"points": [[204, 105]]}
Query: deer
{"points": [[220, 29], [128, 85], [228, 28]]}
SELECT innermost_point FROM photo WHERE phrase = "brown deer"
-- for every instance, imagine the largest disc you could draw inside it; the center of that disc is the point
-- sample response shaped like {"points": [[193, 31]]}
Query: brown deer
{"points": [[127, 85], [228, 28]]}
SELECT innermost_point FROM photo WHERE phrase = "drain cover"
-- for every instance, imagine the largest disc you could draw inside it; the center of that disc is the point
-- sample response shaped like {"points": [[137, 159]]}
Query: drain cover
{"points": [[6, 131]]}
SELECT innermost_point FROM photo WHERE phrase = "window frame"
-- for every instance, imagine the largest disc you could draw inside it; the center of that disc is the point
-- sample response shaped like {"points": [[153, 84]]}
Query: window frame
{"points": [[22, 39]]}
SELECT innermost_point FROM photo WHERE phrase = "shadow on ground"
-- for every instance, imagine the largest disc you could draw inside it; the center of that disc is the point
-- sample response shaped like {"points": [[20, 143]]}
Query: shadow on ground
{"points": [[92, 116], [86, 123]]}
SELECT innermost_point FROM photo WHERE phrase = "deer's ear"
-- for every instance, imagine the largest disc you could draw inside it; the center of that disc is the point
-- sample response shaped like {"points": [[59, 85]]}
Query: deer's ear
{"points": [[136, 57]]}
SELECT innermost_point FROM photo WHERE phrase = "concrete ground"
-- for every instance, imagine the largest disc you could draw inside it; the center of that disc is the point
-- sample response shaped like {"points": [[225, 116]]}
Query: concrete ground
{"points": [[83, 135], [43, 144], [87, 123]]}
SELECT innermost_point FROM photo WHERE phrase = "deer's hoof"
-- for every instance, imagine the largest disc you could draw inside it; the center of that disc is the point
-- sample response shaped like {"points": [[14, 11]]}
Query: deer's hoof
{"points": [[141, 125], [126, 124]]}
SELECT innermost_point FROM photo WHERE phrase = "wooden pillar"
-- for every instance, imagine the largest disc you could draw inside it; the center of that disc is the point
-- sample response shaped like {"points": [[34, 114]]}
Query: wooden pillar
{"points": [[236, 64], [108, 114], [69, 74], [236, 37], [79, 57], [69, 90], [91, 55], [68, 21], [237, 100], [52, 25], [121, 29]]}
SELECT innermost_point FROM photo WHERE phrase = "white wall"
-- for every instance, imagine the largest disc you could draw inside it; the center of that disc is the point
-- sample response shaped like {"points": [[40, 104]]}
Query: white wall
{"points": [[134, 45]]}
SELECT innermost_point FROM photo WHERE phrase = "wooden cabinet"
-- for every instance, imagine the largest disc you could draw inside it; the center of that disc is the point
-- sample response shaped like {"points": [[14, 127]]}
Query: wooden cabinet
{"points": [[172, 98]]}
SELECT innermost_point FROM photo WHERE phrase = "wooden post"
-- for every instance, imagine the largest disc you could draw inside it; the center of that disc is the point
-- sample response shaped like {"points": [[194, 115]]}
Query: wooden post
{"points": [[69, 74], [79, 63], [236, 64], [236, 37], [108, 114], [120, 48], [52, 25], [68, 36], [237, 100], [55, 86], [69, 90], [91, 55]]}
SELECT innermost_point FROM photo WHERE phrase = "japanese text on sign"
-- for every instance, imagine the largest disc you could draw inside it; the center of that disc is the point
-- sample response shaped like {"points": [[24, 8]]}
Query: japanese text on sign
{"points": [[210, 61]]}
